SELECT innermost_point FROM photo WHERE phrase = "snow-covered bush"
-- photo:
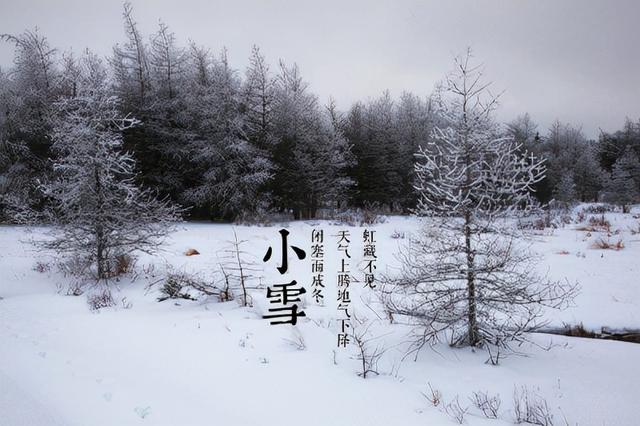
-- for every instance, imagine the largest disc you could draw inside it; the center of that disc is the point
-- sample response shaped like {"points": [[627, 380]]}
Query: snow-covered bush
{"points": [[176, 286]]}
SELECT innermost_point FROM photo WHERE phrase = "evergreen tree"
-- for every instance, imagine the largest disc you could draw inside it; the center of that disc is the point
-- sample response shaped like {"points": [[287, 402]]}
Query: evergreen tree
{"points": [[102, 213], [258, 101], [131, 65], [565, 191], [231, 169], [311, 154], [623, 186], [27, 94]]}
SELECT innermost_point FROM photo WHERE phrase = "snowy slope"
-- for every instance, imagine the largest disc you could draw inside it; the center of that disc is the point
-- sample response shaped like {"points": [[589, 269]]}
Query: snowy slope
{"points": [[204, 362]]}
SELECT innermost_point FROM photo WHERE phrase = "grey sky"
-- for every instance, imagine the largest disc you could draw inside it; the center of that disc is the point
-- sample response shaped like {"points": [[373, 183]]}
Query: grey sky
{"points": [[578, 61]]}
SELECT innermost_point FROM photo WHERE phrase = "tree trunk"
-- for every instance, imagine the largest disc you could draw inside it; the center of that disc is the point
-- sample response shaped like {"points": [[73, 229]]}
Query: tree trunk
{"points": [[99, 230], [471, 285]]}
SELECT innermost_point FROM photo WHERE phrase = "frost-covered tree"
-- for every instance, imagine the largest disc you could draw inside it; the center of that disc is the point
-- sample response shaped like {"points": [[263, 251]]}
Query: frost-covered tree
{"points": [[566, 189], [69, 75], [524, 132], [385, 134], [27, 93], [623, 186], [131, 65], [166, 62], [101, 212], [258, 100], [161, 143], [467, 276], [612, 146], [232, 169], [311, 155], [587, 173]]}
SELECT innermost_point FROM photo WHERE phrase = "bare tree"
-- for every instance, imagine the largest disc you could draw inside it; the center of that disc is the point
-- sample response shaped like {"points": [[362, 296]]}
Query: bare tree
{"points": [[369, 352], [239, 270], [466, 276]]}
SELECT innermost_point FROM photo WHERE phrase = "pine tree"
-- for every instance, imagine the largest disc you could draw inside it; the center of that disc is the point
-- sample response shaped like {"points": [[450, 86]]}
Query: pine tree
{"points": [[311, 154], [232, 169], [27, 94], [623, 186], [167, 63], [258, 100], [101, 212], [565, 192], [466, 276], [130, 64]]}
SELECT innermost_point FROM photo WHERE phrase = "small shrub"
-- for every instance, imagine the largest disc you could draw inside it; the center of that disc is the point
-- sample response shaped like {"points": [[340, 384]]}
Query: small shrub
{"points": [[369, 217], [75, 289], [433, 396], [530, 408], [369, 353], [42, 267], [297, 340], [360, 217], [489, 405], [176, 286], [182, 285], [371, 214], [599, 208], [100, 300], [600, 222], [264, 217], [75, 266], [456, 411], [537, 223], [348, 217], [607, 244]]}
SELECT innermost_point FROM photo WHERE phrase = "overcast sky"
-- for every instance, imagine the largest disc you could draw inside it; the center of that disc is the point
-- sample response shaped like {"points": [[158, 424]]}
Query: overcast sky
{"points": [[577, 61]]}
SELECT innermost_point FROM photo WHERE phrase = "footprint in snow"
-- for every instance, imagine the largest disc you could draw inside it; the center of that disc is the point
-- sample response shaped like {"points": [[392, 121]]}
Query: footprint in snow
{"points": [[42, 354], [107, 397]]}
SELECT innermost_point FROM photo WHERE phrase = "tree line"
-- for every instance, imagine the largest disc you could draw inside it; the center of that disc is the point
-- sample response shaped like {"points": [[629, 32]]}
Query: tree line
{"points": [[231, 145]]}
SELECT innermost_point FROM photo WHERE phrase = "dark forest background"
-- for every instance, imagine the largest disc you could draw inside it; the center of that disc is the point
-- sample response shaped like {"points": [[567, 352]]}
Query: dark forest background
{"points": [[231, 144]]}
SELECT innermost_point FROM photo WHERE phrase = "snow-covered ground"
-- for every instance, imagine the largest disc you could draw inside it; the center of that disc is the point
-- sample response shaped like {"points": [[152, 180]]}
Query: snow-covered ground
{"points": [[203, 362]]}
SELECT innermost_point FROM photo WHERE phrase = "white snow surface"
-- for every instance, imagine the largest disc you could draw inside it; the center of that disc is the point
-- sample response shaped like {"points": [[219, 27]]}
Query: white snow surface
{"points": [[181, 362]]}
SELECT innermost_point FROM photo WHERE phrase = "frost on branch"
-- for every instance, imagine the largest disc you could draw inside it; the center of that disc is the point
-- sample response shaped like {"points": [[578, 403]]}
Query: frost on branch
{"points": [[100, 210], [467, 277]]}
